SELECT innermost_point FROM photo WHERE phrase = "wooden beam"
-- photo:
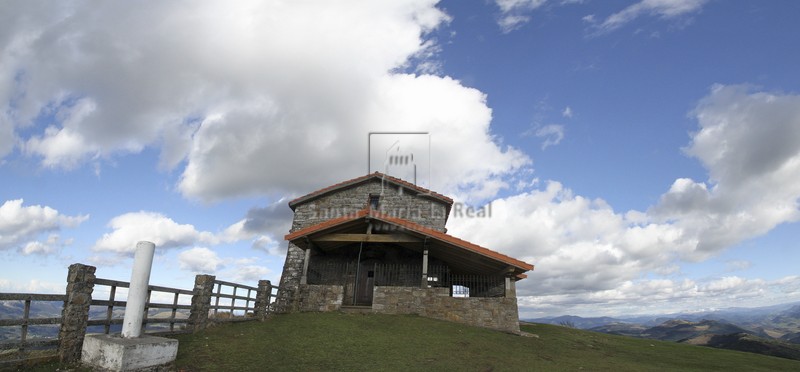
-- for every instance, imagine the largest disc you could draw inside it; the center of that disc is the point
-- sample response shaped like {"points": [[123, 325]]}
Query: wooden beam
{"points": [[374, 238], [507, 270]]}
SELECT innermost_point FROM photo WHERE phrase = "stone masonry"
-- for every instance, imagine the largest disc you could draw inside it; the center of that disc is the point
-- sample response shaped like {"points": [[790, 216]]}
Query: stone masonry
{"points": [[395, 201], [499, 313], [80, 284], [201, 301], [320, 297], [263, 299]]}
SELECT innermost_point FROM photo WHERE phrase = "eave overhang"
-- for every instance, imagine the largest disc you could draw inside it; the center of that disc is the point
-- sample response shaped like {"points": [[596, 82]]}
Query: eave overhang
{"points": [[332, 234]]}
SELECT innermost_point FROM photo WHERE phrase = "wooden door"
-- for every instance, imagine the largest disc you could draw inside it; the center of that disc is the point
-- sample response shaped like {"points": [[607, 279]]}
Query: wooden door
{"points": [[366, 284]]}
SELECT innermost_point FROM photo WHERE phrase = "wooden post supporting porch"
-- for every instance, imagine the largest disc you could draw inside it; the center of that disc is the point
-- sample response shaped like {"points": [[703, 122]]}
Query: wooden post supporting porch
{"points": [[424, 282], [304, 278]]}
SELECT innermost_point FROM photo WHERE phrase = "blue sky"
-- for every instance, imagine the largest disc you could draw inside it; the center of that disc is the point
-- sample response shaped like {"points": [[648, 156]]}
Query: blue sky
{"points": [[644, 155]]}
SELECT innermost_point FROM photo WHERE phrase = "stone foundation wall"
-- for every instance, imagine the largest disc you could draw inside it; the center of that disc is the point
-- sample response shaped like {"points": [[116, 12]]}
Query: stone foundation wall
{"points": [[319, 297], [499, 313]]}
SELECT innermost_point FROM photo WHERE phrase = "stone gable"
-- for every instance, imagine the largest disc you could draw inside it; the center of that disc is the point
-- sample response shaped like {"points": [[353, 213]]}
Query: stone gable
{"points": [[395, 201]]}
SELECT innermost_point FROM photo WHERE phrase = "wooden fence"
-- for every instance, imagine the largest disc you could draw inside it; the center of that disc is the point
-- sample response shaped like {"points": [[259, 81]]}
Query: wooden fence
{"points": [[210, 301], [24, 343], [234, 312], [111, 302], [405, 275]]}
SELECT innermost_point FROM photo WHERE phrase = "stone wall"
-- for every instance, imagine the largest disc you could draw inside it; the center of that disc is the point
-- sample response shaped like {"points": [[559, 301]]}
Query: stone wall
{"points": [[290, 279], [319, 297], [396, 202], [499, 313]]}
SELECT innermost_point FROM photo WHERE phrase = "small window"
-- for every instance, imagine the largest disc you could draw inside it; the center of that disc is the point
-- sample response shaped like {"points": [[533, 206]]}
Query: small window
{"points": [[374, 200], [459, 291]]}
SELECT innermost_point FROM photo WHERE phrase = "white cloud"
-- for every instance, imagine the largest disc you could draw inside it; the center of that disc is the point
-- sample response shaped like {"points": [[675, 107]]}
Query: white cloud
{"points": [[195, 79], [22, 227], [37, 247], [270, 246], [586, 253], [552, 134], [578, 244], [513, 13], [665, 296], [511, 22], [236, 232], [199, 260], [64, 146], [666, 9], [264, 226], [750, 144], [509, 5], [6, 136], [250, 273], [738, 265], [274, 220], [102, 260], [32, 286], [165, 233], [567, 113], [457, 118]]}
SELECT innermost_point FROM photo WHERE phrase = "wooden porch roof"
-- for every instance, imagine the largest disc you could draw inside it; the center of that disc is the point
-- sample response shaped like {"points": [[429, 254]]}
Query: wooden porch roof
{"points": [[336, 232]]}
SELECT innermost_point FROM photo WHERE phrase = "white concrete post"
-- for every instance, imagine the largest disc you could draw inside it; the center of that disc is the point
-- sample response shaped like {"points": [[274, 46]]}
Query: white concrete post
{"points": [[137, 293]]}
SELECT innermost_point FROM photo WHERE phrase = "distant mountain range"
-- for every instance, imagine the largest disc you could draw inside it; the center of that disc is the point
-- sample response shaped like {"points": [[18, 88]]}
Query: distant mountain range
{"points": [[770, 330]]}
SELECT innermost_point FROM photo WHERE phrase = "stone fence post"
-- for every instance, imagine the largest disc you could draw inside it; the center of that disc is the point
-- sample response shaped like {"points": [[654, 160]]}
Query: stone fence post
{"points": [[263, 299], [74, 317], [201, 301]]}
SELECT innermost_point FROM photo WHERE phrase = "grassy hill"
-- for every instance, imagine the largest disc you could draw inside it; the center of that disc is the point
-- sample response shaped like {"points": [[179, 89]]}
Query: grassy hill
{"points": [[353, 342], [334, 341]]}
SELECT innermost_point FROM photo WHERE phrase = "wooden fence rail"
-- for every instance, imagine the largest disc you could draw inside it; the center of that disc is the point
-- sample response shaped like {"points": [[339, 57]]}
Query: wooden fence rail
{"points": [[23, 344], [111, 302], [232, 308], [239, 303]]}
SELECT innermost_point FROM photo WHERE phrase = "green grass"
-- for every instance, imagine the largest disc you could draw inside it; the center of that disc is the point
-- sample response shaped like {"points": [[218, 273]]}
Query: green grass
{"points": [[335, 341], [345, 342]]}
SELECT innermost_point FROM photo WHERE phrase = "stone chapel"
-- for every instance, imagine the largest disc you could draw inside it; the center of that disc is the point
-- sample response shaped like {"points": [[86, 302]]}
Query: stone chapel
{"points": [[377, 243]]}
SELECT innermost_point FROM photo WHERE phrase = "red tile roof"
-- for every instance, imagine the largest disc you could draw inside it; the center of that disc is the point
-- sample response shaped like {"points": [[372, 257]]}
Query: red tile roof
{"points": [[463, 244], [357, 180]]}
